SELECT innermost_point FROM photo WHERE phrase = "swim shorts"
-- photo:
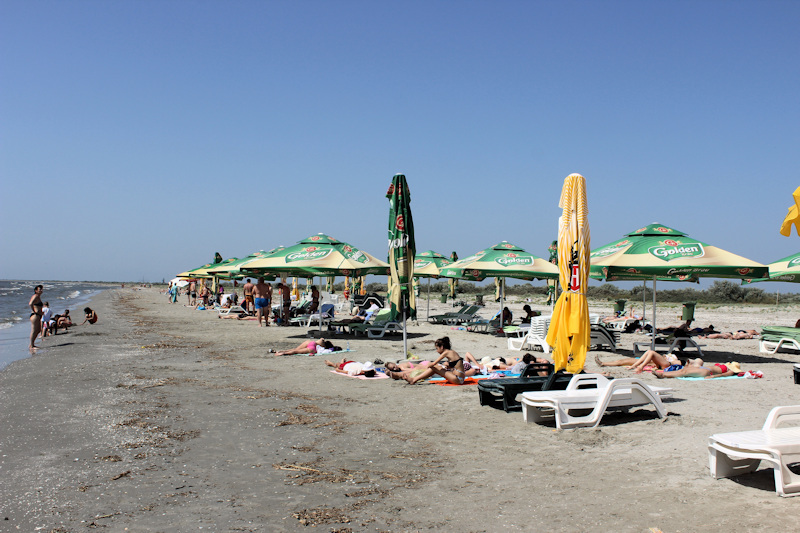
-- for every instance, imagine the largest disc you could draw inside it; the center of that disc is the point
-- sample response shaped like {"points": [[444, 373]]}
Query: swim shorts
{"points": [[672, 368], [248, 298], [261, 303]]}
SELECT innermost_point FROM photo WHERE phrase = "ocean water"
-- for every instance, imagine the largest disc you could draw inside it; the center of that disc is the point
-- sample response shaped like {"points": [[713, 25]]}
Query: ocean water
{"points": [[15, 326]]}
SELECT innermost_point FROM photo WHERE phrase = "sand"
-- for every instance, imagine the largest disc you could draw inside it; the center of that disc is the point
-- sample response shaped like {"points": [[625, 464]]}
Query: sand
{"points": [[162, 418]]}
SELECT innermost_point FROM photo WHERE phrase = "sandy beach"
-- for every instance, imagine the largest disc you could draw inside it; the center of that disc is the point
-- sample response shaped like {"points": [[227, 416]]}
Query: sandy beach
{"points": [[162, 418]]}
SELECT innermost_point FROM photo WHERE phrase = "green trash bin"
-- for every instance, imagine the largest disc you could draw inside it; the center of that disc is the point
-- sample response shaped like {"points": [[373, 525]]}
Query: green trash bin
{"points": [[444, 298], [619, 306], [688, 311]]}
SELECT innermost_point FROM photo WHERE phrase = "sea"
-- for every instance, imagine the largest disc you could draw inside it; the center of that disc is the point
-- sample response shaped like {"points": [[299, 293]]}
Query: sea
{"points": [[15, 326]]}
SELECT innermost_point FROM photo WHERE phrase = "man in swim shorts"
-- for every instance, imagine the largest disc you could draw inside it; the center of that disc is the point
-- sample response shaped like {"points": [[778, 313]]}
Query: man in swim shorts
{"points": [[286, 294], [261, 301], [248, 296], [191, 295]]}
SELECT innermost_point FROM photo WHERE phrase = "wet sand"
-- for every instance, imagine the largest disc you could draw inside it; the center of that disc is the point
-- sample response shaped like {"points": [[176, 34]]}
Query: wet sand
{"points": [[162, 418]]}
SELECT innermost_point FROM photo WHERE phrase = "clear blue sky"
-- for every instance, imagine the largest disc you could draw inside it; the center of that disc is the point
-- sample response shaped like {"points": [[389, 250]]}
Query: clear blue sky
{"points": [[140, 137]]}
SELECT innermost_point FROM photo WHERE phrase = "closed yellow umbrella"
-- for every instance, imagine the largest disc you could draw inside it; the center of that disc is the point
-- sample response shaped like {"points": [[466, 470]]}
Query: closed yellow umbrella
{"points": [[793, 217], [570, 331]]}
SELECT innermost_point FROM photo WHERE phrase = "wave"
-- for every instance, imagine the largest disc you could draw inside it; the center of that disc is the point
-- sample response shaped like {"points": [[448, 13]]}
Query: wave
{"points": [[74, 294], [6, 325]]}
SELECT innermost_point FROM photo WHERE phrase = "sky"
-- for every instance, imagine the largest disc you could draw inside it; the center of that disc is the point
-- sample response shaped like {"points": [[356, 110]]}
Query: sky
{"points": [[138, 138]]}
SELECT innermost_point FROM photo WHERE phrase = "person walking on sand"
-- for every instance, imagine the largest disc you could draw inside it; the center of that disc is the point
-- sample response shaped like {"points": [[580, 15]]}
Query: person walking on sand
{"points": [[249, 301], [36, 306], [261, 301], [191, 294]]}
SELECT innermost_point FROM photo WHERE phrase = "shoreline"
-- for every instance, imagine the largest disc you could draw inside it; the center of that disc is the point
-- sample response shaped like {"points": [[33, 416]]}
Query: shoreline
{"points": [[160, 418]]}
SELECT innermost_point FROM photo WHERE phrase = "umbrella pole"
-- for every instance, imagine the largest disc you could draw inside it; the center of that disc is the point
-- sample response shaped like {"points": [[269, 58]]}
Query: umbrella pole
{"points": [[429, 299], [653, 341], [644, 299], [405, 335]]}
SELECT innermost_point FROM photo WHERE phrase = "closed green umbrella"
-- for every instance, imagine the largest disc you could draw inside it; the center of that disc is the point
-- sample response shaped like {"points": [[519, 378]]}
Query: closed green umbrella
{"points": [[402, 249]]}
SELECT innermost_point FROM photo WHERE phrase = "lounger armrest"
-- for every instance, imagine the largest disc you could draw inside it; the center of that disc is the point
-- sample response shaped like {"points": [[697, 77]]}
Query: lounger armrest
{"points": [[782, 412]]}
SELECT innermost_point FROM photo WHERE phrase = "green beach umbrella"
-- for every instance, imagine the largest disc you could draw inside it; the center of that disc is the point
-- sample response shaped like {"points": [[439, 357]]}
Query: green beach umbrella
{"points": [[205, 270], [232, 269], [318, 255], [402, 249], [786, 270], [503, 260], [660, 252]]}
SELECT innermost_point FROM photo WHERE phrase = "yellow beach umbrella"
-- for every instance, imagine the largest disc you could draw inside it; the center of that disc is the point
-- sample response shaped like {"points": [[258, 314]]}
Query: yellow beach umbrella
{"points": [[793, 217], [570, 330]]}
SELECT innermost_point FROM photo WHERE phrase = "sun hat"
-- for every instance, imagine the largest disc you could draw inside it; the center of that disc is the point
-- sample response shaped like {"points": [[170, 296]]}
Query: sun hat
{"points": [[366, 367], [734, 366]]}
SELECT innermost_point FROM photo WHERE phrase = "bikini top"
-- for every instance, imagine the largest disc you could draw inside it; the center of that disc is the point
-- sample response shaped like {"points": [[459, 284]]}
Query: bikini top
{"points": [[452, 364]]}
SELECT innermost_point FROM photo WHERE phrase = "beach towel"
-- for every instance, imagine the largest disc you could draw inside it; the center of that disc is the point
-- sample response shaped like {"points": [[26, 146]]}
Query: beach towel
{"points": [[468, 381], [750, 374], [378, 375]]}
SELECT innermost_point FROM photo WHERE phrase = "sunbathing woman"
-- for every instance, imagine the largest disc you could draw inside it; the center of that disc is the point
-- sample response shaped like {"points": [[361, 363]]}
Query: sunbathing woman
{"points": [[453, 370], [739, 335], [650, 357], [353, 368], [695, 368], [311, 347]]}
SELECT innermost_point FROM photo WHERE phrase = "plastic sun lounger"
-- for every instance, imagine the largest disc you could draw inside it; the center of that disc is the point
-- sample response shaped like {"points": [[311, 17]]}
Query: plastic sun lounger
{"points": [[641, 347], [505, 391], [733, 454], [773, 338], [622, 393], [602, 336]]}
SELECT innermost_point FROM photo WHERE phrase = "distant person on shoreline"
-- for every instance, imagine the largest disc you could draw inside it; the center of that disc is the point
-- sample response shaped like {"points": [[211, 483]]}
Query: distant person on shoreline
{"points": [[63, 321], [91, 316], [47, 316], [36, 305]]}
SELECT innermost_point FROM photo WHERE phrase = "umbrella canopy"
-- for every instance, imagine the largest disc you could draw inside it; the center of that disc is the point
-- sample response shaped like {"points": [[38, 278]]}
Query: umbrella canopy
{"points": [[319, 255], [204, 271], [569, 331], [232, 270], [786, 269], [661, 251], [402, 249], [429, 264], [503, 260], [793, 217]]}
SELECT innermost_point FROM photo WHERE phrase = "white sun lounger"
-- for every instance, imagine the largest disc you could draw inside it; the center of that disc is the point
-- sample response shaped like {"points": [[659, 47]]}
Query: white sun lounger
{"points": [[594, 393], [233, 310], [733, 454], [535, 336]]}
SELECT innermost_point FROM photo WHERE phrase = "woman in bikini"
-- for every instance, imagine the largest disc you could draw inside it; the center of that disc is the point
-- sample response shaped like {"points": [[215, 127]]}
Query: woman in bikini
{"points": [[36, 306], [311, 347], [650, 357], [694, 368], [452, 370]]}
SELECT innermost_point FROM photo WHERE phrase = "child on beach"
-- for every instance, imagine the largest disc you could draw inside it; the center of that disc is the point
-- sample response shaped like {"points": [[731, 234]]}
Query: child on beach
{"points": [[91, 316]]}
